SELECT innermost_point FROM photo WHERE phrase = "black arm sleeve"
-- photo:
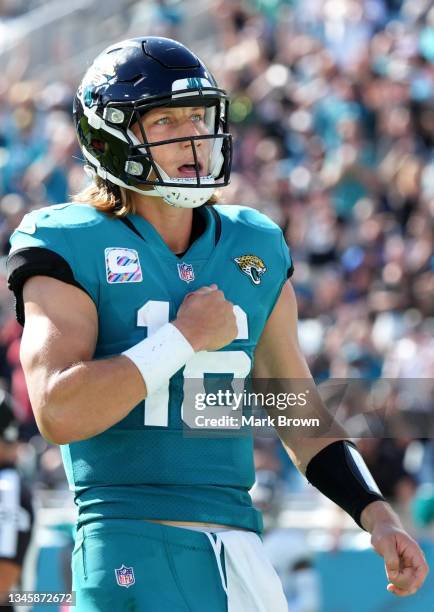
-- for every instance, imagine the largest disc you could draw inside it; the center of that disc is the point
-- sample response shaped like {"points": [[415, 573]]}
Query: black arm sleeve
{"points": [[340, 473], [33, 261]]}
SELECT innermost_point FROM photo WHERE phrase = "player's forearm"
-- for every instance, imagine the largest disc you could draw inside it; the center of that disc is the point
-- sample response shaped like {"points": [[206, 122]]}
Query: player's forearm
{"points": [[89, 397], [379, 512], [301, 450], [317, 426]]}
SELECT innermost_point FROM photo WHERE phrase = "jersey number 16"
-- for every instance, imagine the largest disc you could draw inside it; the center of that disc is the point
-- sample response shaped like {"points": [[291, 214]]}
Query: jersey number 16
{"points": [[153, 315]]}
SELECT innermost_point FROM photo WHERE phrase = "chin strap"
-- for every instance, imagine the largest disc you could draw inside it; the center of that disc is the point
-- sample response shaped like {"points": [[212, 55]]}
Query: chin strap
{"points": [[179, 197], [183, 195]]}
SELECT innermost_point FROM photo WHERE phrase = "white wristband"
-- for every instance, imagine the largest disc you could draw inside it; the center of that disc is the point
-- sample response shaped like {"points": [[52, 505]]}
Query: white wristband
{"points": [[160, 356]]}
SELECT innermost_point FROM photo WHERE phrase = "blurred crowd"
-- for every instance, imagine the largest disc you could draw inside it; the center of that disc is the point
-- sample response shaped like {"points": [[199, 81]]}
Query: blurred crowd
{"points": [[333, 121]]}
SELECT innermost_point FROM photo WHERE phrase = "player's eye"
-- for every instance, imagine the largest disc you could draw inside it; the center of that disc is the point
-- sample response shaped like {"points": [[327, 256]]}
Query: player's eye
{"points": [[197, 117], [162, 121]]}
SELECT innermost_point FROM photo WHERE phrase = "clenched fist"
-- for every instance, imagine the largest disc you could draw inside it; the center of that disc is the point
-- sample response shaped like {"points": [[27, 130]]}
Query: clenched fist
{"points": [[207, 319], [405, 563]]}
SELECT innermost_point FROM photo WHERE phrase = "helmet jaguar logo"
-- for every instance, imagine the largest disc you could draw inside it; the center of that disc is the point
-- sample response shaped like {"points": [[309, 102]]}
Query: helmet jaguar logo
{"points": [[252, 266], [93, 86]]}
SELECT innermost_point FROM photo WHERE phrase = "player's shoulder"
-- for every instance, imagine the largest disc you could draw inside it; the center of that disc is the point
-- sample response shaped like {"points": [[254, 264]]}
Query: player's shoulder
{"points": [[246, 217], [67, 216], [253, 230]]}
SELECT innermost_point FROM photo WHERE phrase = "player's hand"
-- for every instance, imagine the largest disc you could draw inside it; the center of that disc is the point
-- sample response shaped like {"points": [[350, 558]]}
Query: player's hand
{"points": [[405, 564], [207, 319]]}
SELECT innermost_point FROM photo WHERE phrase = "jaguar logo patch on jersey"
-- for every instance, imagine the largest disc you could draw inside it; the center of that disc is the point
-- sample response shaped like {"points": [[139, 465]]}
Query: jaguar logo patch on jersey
{"points": [[125, 576], [186, 272], [122, 266], [252, 266]]}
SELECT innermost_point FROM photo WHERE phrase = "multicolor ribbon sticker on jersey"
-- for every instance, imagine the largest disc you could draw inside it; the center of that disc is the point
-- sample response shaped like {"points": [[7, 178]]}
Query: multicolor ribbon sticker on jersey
{"points": [[122, 266]]}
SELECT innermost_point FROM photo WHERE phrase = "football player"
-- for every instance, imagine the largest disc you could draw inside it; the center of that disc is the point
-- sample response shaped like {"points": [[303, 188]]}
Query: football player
{"points": [[125, 295]]}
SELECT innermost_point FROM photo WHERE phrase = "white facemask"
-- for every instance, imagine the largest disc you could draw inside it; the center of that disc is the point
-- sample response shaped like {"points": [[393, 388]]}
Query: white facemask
{"points": [[182, 196]]}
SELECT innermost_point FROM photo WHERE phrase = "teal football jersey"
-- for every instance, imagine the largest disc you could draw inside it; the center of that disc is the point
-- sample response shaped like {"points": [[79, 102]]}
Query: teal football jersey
{"points": [[145, 466]]}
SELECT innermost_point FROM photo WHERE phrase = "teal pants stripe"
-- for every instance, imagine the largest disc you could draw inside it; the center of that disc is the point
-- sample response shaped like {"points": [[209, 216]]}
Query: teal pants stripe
{"points": [[160, 569]]}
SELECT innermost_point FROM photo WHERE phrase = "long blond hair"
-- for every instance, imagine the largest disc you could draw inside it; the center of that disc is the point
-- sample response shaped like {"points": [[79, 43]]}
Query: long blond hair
{"points": [[112, 200], [107, 198]]}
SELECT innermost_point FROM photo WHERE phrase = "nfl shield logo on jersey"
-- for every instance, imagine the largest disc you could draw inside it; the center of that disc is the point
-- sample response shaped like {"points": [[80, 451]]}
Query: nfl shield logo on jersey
{"points": [[125, 576], [186, 272]]}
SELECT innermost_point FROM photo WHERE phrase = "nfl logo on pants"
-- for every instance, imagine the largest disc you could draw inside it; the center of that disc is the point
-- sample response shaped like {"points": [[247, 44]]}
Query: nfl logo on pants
{"points": [[125, 576]]}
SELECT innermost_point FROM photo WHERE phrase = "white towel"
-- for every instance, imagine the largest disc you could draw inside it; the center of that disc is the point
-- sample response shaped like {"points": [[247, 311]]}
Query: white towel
{"points": [[252, 582]]}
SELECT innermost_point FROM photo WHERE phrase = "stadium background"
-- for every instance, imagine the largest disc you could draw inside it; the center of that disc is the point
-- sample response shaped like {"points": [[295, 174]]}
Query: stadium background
{"points": [[333, 120]]}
